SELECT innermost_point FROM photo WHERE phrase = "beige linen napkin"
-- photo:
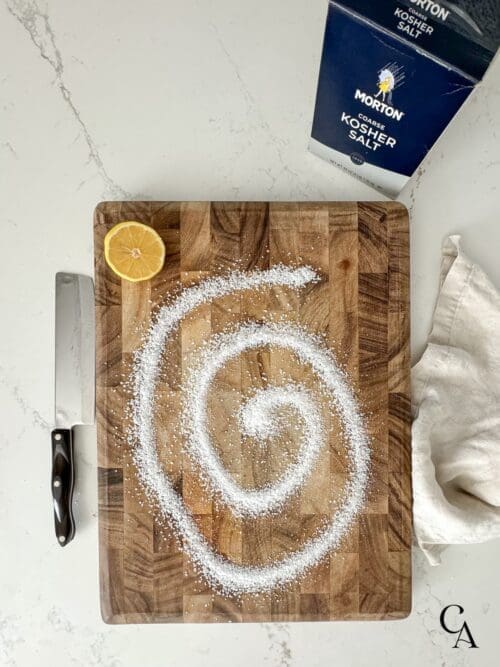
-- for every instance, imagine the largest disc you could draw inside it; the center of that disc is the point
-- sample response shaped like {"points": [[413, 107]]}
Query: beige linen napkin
{"points": [[456, 409]]}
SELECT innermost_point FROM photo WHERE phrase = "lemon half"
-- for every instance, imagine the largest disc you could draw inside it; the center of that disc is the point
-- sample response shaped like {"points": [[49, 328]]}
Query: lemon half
{"points": [[134, 251]]}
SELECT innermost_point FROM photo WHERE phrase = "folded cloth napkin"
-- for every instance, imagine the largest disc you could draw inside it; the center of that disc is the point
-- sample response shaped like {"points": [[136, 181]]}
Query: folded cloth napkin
{"points": [[456, 410]]}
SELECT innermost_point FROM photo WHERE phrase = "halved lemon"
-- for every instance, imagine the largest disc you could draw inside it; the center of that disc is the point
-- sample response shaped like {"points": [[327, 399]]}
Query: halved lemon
{"points": [[134, 251]]}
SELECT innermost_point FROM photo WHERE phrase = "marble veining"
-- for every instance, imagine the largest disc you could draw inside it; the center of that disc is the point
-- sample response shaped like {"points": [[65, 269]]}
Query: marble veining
{"points": [[168, 100]]}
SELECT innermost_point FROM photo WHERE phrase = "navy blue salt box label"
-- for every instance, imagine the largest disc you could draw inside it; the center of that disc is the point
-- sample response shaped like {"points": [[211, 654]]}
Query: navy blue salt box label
{"points": [[392, 76]]}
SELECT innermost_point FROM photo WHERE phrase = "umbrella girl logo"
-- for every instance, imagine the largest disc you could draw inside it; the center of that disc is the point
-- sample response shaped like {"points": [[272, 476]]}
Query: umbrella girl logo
{"points": [[391, 76]]}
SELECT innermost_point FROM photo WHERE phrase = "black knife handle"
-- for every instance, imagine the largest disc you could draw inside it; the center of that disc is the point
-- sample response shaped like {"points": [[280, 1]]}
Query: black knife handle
{"points": [[62, 481]]}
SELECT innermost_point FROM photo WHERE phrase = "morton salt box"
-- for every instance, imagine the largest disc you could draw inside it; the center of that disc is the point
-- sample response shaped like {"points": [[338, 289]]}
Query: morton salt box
{"points": [[393, 74]]}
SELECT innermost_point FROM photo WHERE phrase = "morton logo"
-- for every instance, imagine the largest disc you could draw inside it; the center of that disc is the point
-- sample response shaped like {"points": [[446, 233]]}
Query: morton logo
{"points": [[433, 8], [390, 77]]}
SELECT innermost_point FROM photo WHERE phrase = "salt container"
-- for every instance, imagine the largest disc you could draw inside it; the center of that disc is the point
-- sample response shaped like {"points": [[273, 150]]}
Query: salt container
{"points": [[393, 75]]}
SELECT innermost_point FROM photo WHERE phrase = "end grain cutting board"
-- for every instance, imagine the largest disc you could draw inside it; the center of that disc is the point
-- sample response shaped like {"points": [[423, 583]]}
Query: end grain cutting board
{"points": [[360, 307]]}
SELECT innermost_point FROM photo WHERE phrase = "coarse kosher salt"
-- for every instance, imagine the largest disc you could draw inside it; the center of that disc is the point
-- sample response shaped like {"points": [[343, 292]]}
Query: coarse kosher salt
{"points": [[259, 419]]}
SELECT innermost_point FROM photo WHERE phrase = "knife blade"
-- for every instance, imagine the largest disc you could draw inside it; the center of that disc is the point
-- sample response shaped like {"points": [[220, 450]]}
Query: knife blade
{"points": [[74, 389]]}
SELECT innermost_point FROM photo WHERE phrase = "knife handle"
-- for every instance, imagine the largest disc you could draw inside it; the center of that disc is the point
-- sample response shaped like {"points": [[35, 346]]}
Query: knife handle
{"points": [[62, 480]]}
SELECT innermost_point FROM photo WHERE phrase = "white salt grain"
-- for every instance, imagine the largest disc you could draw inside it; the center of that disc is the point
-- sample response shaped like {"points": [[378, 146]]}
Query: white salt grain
{"points": [[256, 418], [257, 422]]}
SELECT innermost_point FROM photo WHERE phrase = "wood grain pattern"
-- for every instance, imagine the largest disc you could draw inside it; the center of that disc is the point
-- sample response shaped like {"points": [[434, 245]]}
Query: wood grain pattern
{"points": [[360, 307]]}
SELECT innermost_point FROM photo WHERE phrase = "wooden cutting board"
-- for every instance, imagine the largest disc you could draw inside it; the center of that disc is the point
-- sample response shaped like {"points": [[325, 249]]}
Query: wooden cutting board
{"points": [[360, 307]]}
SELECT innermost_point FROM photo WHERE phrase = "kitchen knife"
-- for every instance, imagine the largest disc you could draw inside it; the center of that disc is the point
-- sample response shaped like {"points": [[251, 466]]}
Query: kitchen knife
{"points": [[74, 388]]}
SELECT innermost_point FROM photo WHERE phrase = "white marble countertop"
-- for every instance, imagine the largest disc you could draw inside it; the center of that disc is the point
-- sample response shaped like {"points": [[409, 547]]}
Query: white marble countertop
{"points": [[190, 100]]}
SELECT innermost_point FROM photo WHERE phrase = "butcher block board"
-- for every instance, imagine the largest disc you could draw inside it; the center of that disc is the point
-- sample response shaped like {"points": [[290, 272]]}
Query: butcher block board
{"points": [[360, 307]]}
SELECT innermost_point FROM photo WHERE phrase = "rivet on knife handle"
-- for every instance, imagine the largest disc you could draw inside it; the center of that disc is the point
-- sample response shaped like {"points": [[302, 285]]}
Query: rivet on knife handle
{"points": [[62, 481]]}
